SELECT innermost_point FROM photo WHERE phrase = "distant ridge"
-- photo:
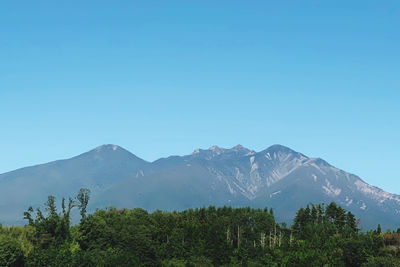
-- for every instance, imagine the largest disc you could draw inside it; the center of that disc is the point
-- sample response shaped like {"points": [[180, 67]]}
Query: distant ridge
{"points": [[277, 177]]}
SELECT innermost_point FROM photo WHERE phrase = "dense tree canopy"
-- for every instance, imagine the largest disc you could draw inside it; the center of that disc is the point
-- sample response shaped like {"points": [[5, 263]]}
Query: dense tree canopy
{"points": [[321, 235]]}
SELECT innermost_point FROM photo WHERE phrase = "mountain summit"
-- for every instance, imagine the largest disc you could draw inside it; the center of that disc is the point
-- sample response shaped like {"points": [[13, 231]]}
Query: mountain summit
{"points": [[277, 177]]}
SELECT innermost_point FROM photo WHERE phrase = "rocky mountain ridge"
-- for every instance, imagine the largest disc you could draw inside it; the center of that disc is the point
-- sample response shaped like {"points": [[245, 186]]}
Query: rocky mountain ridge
{"points": [[277, 177]]}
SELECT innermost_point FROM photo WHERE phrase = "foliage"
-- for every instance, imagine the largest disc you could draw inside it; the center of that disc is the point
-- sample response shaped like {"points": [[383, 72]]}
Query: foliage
{"points": [[11, 253], [320, 236]]}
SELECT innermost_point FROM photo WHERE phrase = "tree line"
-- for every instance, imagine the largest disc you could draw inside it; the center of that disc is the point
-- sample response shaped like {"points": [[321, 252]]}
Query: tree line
{"points": [[321, 235]]}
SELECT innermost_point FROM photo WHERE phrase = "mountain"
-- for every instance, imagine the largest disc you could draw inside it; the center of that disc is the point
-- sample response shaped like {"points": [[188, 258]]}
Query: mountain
{"points": [[96, 169], [276, 177]]}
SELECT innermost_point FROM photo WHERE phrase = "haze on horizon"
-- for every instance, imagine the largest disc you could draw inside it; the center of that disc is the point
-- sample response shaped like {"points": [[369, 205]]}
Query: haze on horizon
{"points": [[162, 78]]}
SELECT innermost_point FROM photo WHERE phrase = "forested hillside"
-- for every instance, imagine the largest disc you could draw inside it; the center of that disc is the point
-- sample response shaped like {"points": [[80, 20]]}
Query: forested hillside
{"points": [[322, 235]]}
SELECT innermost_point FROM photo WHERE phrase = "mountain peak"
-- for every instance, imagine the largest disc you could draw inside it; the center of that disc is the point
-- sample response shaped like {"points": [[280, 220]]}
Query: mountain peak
{"points": [[239, 147], [213, 149], [110, 151], [277, 147], [216, 148], [108, 147], [280, 149]]}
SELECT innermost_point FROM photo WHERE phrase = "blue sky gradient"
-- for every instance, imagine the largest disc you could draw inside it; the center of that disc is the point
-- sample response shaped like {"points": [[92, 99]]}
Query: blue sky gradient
{"points": [[166, 77]]}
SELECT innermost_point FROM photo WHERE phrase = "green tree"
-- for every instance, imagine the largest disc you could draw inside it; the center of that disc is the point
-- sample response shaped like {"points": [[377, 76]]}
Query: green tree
{"points": [[379, 229], [11, 253], [83, 199]]}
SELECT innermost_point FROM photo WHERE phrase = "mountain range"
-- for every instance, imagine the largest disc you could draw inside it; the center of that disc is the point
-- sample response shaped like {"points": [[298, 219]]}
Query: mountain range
{"points": [[277, 177]]}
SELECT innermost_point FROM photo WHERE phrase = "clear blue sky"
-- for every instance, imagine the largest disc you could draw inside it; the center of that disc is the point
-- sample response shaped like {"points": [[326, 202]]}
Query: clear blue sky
{"points": [[167, 77]]}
